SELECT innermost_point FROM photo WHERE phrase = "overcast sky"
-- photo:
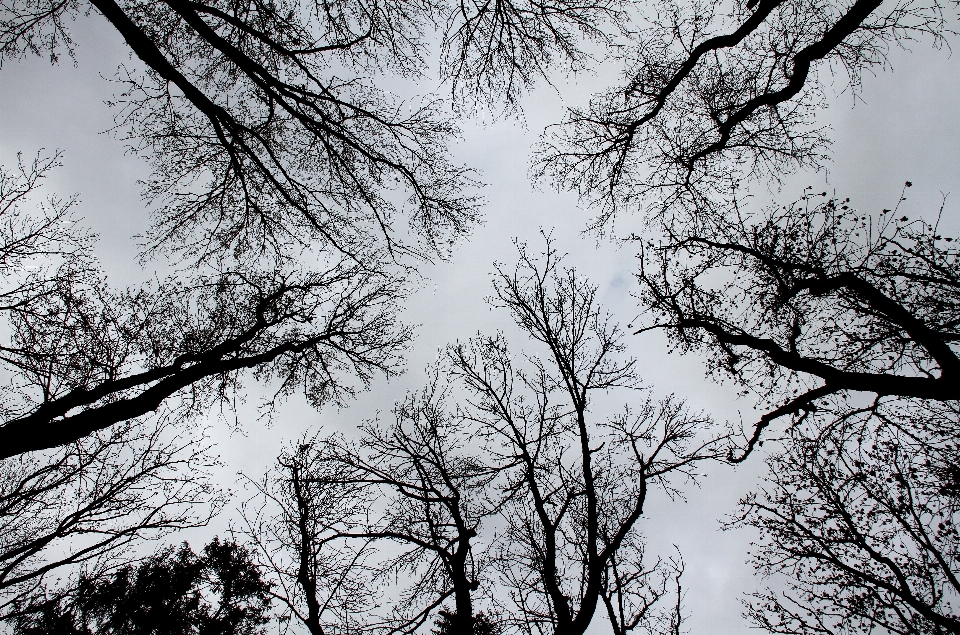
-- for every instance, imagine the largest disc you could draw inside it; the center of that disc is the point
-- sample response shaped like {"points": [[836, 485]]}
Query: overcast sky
{"points": [[905, 128]]}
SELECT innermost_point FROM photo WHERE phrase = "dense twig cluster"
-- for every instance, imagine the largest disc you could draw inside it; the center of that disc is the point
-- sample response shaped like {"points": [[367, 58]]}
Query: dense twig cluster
{"points": [[811, 300], [715, 94], [860, 518]]}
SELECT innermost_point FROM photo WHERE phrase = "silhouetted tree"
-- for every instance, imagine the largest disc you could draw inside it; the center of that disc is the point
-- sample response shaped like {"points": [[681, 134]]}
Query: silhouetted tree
{"points": [[267, 130], [297, 520], [413, 489], [493, 52], [714, 96], [846, 326], [812, 300], [274, 151], [242, 595], [83, 356], [858, 524], [485, 444], [88, 503], [635, 591], [90, 358], [482, 625], [174, 592], [813, 307], [435, 493], [577, 487], [263, 132]]}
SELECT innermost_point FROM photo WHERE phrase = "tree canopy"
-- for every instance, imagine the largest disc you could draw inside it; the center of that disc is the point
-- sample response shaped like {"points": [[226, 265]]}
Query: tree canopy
{"points": [[302, 171], [174, 592]]}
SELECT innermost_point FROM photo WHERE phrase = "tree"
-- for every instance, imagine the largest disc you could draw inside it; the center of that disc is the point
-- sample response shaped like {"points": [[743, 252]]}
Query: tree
{"points": [[494, 52], [568, 490], [255, 142], [813, 307], [436, 493], [812, 300], [859, 520], [265, 127], [297, 520], [716, 96], [577, 488], [846, 325], [173, 592], [83, 356], [561, 557], [633, 590], [413, 488], [482, 625], [273, 151], [107, 357], [87, 504], [281, 168]]}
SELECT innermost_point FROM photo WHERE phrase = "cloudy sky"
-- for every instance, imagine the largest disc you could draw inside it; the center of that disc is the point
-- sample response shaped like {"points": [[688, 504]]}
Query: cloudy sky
{"points": [[905, 127]]}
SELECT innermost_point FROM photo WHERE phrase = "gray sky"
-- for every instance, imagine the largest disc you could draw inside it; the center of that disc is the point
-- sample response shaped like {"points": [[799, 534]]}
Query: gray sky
{"points": [[905, 128]]}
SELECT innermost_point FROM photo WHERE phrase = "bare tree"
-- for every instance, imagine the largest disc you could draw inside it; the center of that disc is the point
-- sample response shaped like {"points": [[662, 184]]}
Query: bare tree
{"points": [[414, 491], [82, 356], [48, 230], [812, 300], [635, 592], [514, 474], [86, 504], [435, 492], [577, 488], [715, 95], [261, 128], [89, 358], [297, 519], [494, 51], [42, 243], [845, 325], [267, 131], [859, 523]]}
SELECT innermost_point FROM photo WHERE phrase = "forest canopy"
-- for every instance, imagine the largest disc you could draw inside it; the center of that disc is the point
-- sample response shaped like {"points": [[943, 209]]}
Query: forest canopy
{"points": [[305, 180]]}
